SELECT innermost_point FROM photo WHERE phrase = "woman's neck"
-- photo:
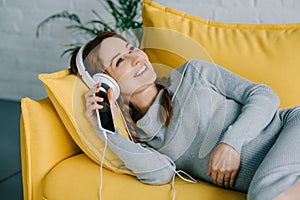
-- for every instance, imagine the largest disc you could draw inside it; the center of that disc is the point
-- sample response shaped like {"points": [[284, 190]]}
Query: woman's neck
{"points": [[143, 99]]}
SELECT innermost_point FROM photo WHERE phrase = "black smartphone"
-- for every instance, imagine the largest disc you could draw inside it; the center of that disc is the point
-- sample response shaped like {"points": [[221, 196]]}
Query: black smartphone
{"points": [[104, 115]]}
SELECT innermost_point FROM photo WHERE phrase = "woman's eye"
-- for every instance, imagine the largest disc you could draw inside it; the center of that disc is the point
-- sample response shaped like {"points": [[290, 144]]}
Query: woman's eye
{"points": [[131, 49], [119, 61]]}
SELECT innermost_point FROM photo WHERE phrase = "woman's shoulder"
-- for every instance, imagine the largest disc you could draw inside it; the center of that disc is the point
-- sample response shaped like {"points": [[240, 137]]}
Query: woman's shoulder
{"points": [[193, 67], [186, 73], [194, 64], [194, 70]]}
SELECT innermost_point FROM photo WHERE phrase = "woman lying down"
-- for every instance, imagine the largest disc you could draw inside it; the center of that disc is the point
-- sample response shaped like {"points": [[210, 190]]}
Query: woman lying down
{"points": [[204, 120]]}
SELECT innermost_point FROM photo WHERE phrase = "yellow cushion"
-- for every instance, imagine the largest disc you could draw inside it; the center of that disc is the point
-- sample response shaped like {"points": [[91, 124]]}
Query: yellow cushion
{"points": [[77, 178], [262, 53], [44, 143], [66, 92]]}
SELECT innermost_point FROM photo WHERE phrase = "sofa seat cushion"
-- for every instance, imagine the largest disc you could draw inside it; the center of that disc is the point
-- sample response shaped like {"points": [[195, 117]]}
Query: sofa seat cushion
{"points": [[78, 177], [44, 142]]}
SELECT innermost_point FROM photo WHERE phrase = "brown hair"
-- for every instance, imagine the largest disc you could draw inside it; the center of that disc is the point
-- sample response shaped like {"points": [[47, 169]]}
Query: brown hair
{"points": [[94, 65]]}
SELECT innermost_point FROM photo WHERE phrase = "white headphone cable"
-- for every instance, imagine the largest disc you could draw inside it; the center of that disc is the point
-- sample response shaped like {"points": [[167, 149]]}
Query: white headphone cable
{"points": [[101, 165], [123, 118], [189, 178], [104, 151]]}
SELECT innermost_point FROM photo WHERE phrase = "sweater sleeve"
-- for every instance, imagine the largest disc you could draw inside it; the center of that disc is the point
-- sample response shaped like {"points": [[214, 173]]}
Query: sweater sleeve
{"points": [[259, 102], [150, 166]]}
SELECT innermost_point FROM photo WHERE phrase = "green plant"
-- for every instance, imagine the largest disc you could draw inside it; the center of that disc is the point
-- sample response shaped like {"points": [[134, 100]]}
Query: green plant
{"points": [[125, 14]]}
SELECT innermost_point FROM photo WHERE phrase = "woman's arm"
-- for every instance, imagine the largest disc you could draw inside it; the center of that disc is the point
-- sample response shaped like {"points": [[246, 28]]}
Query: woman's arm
{"points": [[150, 166], [259, 102]]}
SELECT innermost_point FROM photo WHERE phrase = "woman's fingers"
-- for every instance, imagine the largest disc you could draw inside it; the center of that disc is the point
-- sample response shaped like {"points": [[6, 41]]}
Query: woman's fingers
{"points": [[232, 178], [209, 172], [227, 180], [220, 179], [214, 176], [223, 179], [92, 100], [224, 165], [94, 106], [93, 90], [110, 96], [91, 104]]}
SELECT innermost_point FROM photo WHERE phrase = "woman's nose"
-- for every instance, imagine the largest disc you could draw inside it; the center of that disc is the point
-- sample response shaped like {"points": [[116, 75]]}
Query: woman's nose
{"points": [[136, 58]]}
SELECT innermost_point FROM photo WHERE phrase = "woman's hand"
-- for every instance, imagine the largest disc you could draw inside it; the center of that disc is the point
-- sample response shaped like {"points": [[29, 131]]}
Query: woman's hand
{"points": [[91, 103], [224, 165]]}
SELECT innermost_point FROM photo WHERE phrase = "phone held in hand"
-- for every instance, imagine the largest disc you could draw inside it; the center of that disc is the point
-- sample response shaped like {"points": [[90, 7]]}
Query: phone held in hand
{"points": [[104, 115]]}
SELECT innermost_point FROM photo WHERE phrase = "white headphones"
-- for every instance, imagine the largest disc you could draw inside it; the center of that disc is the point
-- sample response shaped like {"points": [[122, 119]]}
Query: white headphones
{"points": [[105, 80]]}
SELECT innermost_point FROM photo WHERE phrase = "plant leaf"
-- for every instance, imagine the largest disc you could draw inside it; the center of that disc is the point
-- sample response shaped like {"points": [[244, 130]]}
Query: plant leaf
{"points": [[105, 25], [92, 31], [124, 13], [62, 15], [69, 50]]}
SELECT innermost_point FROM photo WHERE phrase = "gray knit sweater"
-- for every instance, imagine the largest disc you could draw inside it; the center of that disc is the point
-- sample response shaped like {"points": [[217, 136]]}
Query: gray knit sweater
{"points": [[211, 105]]}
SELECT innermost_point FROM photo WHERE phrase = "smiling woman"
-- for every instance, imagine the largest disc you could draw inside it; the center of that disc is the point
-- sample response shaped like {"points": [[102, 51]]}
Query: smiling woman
{"points": [[129, 66], [203, 121], [110, 53]]}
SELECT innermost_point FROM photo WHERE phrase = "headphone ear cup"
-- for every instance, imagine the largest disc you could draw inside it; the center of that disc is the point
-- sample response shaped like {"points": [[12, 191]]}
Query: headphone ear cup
{"points": [[104, 78]]}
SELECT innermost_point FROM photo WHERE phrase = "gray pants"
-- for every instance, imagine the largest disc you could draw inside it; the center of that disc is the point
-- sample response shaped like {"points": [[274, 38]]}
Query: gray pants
{"points": [[280, 168]]}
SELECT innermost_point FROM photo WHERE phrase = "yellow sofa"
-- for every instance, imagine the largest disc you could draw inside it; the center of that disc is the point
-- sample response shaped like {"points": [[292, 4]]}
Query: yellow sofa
{"points": [[60, 150]]}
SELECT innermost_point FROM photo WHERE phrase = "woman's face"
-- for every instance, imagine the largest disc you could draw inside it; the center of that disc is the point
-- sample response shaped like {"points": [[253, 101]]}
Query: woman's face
{"points": [[130, 67]]}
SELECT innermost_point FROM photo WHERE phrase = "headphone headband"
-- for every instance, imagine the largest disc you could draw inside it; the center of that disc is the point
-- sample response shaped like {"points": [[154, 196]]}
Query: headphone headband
{"points": [[84, 74], [97, 78]]}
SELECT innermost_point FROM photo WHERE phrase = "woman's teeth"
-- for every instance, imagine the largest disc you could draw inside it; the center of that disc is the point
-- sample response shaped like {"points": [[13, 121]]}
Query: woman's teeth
{"points": [[140, 71]]}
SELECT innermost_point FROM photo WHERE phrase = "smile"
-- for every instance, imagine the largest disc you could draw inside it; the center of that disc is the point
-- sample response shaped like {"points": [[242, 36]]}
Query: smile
{"points": [[141, 70]]}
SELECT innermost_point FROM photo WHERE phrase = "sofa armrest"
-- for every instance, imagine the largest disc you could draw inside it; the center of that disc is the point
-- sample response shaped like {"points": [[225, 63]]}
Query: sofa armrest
{"points": [[44, 143]]}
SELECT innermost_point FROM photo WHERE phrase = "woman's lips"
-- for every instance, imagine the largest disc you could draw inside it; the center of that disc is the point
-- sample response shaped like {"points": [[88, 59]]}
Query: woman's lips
{"points": [[140, 71]]}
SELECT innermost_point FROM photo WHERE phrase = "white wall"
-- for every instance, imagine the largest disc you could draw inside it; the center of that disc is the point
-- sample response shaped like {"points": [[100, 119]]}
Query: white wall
{"points": [[22, 56], [241, 11]]}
